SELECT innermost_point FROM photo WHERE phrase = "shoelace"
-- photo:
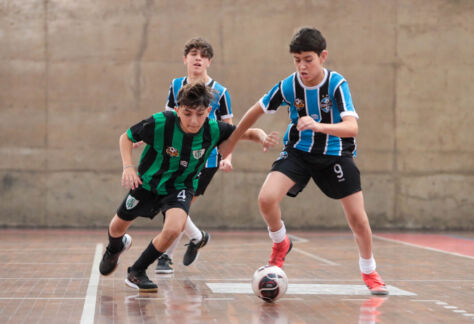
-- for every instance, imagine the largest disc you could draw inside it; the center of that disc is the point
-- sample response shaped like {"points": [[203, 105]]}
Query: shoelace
{"points": [[279, 248], [376, 280], [193, 244], [167, 258]]}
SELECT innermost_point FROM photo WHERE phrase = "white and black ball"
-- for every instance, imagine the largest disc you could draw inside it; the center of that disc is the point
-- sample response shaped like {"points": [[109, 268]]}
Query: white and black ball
{"points": [[269, 283]]}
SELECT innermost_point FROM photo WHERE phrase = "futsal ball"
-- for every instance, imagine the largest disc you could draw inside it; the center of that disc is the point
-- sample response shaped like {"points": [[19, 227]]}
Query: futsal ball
{"points": [[269, 283]]}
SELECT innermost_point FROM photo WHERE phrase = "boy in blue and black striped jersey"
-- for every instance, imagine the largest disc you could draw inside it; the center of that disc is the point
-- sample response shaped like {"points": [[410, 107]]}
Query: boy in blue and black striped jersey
{"points": [[198, 54], [178, 143], [319, 144]]}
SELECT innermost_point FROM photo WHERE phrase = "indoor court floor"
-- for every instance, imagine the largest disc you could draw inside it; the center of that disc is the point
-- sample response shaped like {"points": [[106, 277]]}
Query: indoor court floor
{"points": [[51, 276]]}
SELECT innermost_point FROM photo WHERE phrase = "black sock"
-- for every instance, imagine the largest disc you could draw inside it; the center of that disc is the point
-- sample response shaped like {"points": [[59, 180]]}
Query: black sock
{"points": [[148, 257], [115, 243]]}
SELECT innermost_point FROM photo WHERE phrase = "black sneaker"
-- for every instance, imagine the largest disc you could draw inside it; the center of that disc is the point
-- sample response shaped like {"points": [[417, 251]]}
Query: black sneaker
{"points": [[192, 251], [110, 260], [139, 280], [164, 264]]}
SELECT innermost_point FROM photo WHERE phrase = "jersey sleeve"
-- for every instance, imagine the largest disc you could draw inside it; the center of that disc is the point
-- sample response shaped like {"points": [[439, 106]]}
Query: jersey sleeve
{"points": [[170, 102], [225, 130], [143, 131], [225, 110], [273, 99], [342, 96]]}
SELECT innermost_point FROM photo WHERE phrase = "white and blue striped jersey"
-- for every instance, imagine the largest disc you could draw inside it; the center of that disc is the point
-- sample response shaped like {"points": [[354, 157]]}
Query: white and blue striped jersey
{"points": [[221, 107], [327, 102]]}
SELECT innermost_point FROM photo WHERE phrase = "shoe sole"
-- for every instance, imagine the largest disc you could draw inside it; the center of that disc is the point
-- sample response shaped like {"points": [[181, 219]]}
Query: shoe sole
{"points": [[197, 255], [379, 292], [134, 286], [126, 248], [291, 246], [164, 271]]}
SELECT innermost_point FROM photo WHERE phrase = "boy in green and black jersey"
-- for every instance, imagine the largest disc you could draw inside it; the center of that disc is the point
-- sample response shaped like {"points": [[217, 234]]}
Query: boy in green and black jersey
{"points": [[178, 145]]}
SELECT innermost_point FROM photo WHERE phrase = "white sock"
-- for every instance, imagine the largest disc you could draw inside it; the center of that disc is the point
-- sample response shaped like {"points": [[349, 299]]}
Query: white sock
{"points": [[192, 231], [367, 266], [279, 235], [173, 246]]}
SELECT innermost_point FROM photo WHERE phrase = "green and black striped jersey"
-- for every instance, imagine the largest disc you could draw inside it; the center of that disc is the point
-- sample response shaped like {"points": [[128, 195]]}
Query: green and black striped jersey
{"points": [[172, 159]]}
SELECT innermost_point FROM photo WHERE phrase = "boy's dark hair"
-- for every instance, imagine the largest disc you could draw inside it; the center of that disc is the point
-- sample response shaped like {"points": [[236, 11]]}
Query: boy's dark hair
{"points": [[306, 40], [195, 95], [200, 44]]}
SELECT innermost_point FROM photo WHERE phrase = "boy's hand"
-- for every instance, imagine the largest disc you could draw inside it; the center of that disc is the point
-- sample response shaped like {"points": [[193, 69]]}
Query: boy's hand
{"points": [[270, 141], [130, 178], [307, 122], [137, 144], [225, 165]]}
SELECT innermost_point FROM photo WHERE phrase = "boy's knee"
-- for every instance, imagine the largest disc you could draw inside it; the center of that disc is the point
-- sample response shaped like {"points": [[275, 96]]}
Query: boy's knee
{"points": [[170, 234], [266, 200], [359, 222]]}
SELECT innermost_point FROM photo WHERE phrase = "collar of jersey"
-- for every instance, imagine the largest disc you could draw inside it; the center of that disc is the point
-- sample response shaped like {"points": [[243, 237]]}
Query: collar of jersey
{"points": [[316, 86], [207, 83]]}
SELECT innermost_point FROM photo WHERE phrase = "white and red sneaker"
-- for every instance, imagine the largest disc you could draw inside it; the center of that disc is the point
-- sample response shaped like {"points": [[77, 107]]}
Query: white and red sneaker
{"points": [[375, 283], [279, 252]]}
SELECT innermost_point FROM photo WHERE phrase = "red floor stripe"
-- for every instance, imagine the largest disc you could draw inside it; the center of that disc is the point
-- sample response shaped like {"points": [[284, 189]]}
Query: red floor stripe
{"points": [[435, 241]]}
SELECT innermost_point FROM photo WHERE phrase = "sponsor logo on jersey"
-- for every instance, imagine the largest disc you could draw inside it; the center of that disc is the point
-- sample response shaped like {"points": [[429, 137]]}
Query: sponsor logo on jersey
{"points": [[171, 151], [325, 104], [184, 163], [299, 104], [315, 116], [131, 202], [198, 153]]}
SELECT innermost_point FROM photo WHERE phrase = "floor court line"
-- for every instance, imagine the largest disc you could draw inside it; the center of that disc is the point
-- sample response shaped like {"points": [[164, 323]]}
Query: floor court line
{"points": [[88, 312], [297, 239], [305, 289], [42, 298], [315, 257], [161, 277], [422, 247]]}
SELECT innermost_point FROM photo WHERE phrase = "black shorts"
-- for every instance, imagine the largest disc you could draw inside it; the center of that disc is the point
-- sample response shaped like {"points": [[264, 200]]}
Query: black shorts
{"points": [[336, 176], [205, 177], [143, 203]]}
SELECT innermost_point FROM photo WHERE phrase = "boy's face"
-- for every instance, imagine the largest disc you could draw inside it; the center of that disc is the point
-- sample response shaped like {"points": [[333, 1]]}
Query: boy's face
{"points": [[192, 119], [310, 66], [196, 63]]}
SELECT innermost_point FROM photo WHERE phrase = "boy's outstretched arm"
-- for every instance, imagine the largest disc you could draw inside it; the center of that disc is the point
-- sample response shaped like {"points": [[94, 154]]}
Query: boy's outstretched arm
{"points": [[248, 120], [130, 178]]}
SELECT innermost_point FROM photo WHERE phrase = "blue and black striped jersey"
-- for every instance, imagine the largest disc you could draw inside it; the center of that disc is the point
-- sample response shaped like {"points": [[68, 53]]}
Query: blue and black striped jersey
{"points": [[327, 102], [221, 107]]}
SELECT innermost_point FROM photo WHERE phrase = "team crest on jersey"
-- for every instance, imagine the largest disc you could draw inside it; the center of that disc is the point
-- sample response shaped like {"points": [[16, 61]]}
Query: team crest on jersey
{"points": [[198, 153], [325, 104], [299, 104], [184, 163], [131, 202], [172, 151]]}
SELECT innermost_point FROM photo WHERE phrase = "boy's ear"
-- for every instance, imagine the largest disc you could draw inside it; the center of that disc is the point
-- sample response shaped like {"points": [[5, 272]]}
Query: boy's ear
{"points": [[209, 109], [323, 56], [184, 60]]}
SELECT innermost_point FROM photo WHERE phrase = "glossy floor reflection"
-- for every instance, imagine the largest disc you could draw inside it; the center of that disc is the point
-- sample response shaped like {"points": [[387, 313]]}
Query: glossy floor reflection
{"points": [[46, 276]]}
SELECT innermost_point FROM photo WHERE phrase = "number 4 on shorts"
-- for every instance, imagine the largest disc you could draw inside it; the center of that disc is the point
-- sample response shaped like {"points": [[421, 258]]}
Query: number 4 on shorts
{"points": [[182, 195]]}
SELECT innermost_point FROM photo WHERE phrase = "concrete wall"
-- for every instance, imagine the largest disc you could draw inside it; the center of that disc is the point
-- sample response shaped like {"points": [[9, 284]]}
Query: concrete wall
{"points": [[75, 74]]}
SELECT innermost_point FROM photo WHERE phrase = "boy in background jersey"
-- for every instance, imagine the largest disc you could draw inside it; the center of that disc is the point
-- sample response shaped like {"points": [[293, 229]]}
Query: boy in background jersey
{"points": [[178, 144], [319, 144], [198, 54]]}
